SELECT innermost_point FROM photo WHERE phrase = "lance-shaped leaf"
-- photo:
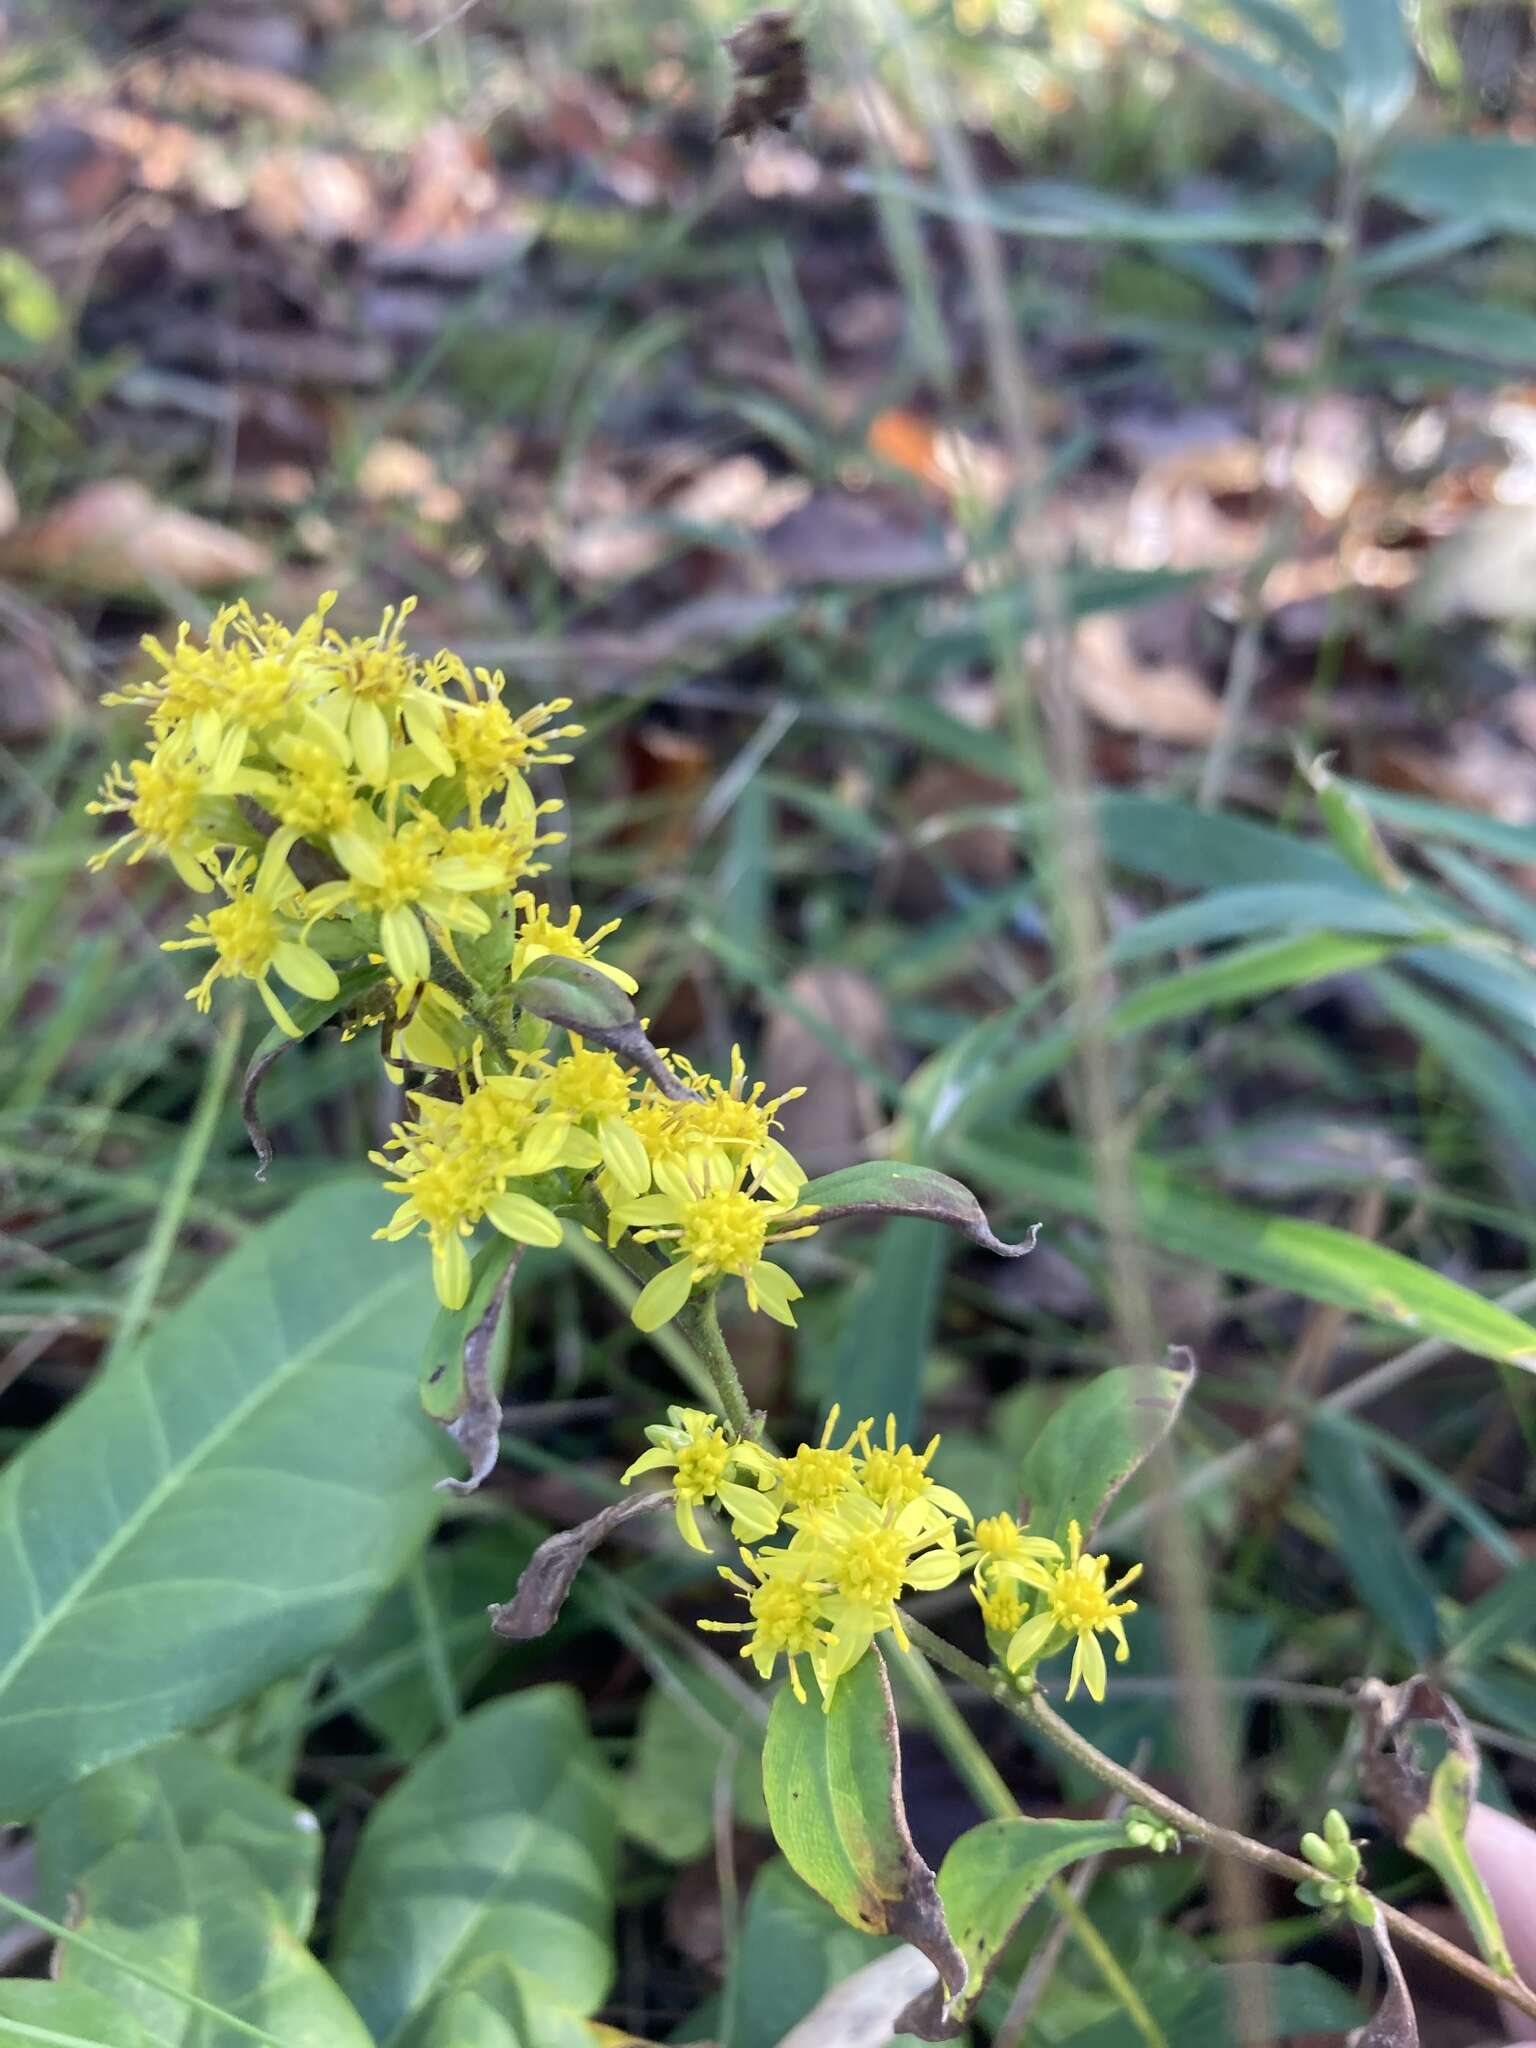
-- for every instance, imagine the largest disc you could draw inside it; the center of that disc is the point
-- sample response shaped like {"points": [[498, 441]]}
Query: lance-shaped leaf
{"points": [[578, 997], [456, 1380], [1096, 1440], [1351, 827], [832, 1781], [895, 1187], [1428, 1810], [549, 1574], [987, 1883]]}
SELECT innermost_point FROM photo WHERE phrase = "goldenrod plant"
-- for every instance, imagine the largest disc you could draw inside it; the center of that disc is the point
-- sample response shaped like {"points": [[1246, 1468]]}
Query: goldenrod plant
{"points": [[362, 829]]}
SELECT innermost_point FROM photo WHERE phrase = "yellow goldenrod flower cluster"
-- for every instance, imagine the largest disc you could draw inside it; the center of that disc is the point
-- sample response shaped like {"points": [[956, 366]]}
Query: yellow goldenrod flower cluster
{"points": [[861, 1524], [343, 803]]}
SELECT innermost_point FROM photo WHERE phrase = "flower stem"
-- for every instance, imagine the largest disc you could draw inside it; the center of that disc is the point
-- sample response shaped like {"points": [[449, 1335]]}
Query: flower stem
{"points": [[1032, 1706], [702, 1323]]}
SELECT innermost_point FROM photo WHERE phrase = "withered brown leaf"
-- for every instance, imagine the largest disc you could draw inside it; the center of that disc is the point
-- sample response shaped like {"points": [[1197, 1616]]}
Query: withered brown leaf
{"points": [[773, 79]]}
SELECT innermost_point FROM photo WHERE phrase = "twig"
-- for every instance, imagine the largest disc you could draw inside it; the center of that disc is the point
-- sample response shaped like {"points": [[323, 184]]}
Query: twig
{"points": [[1032, 1706]]}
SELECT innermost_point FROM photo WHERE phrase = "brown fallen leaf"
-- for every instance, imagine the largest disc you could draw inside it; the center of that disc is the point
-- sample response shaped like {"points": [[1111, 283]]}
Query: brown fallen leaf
{"points": [[318, 194], [9, 510], [1167, 702], [772, 81], [833, 1122], [114, 539]]}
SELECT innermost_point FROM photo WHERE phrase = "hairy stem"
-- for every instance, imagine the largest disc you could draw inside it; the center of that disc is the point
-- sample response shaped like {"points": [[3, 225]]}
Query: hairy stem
{"points": [[1032, 1706], [701, 1320]]}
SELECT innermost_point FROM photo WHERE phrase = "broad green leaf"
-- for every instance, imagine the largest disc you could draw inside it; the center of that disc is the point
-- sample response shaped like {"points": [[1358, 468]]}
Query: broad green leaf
{"points": [[499, 1842], [498, 2007], [430, 1627], [832, 1780], [178, 1797], [1095, 1440], [683, 1742], [223, 1504], [39, 2015], [1310, 1259], [1386, 1574], [877, 1357], [1483, 177], [196, 1919], [994, 1874], [793, 1949]]}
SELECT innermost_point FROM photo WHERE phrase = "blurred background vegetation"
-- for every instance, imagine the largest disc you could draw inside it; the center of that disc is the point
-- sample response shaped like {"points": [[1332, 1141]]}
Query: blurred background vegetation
{"points": [[466, 300]]}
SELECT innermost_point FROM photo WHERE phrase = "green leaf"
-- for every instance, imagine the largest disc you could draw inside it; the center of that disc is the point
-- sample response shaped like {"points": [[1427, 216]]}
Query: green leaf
{"points": [[1253, 908], [1199, 2009], [1484, 177], [574, 995], [1378, 67], [683, 1741], [1178, 844], [1367, 1542], [430, 1626], [793, 1949], [1439, 1836], [832, 1780], [896, 1187], [990, 1879], [198, 1921], [499, 1842], [444, 1395], [1095, 1441], [38, 2015], [220, 1506], [1311, 97], [1309, 1259], [29, 306], [1486, 330], [1491, 1072], [180, 1796], [875, 1364], [1349, 823], [498, 2007], [1054, 211], [1500, 1619]]}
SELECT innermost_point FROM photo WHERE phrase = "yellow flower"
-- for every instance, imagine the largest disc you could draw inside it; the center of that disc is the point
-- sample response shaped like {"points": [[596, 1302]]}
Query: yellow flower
{"points": [[1002, 1610], [242, 683], [165, 802], [492, 749], [725, 1116], [895, 1476], [592, 1089], [709, 1464], [784, 1598], [817, 1475], [404, 880], [454, 1162], [1079, 1606], [386, 702], [713, 1224], [256, 934], [539, 935], [1000, 1548]]}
